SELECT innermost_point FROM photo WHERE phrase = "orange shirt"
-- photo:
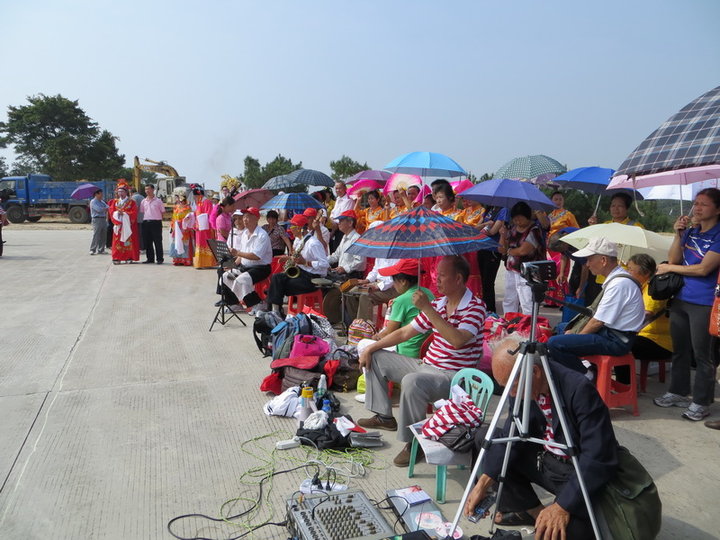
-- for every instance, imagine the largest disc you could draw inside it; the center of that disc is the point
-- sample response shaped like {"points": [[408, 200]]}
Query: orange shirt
{"points": [[367, 215], [561, 218], [452, 213], [472, 216]]}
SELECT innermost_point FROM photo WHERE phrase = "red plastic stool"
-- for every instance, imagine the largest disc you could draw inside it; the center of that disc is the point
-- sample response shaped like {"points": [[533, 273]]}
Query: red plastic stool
{"points": [[380, 317], [644, 371], [613, 393], [262, 287], [313, 300]]}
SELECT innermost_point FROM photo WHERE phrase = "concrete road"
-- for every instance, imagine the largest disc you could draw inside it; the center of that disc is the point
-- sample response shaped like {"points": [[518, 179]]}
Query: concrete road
{"points": [[120, 411]]}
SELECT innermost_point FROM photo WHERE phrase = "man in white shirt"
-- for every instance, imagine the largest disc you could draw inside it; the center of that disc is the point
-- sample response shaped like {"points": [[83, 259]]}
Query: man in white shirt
{"points": [[152, 210], [315, 223], [345, 266], [252, 259], [343, 203], [619, 315], [311, 260]]}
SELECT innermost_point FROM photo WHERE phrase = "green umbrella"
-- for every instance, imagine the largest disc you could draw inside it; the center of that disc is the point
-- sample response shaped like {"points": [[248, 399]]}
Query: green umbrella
{"points": [[528, 167]]}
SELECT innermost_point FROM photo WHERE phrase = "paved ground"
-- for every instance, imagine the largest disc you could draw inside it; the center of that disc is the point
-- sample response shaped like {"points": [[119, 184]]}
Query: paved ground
{"points": [[120, 411]]}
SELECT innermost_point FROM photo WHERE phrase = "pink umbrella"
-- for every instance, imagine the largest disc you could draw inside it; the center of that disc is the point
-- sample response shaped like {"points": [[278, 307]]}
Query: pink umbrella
{"points": [[461, 185], [403, 181], [362, 186], [667, 178]]}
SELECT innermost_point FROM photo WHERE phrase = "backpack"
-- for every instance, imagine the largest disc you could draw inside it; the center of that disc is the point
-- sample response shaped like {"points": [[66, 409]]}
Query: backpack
{"points": [[262, 328], [283, 335]]}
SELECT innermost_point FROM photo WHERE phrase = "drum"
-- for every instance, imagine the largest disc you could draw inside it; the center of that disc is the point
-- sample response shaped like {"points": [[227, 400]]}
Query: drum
{"points": [[332, 305]]}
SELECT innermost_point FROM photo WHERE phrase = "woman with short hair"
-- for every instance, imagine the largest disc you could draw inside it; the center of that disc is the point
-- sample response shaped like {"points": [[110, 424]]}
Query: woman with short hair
{"points": [[279, 238]]}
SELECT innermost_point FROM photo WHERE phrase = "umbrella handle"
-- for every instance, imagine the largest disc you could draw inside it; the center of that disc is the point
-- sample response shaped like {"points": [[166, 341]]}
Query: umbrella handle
{"points": [[597, 205], [635, 198]]}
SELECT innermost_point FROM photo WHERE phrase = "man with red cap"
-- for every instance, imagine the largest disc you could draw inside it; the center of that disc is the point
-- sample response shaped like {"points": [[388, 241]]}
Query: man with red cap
{"points": [[315, 224], [456, 321], [311, 260], [344, 265], [252, 261]]}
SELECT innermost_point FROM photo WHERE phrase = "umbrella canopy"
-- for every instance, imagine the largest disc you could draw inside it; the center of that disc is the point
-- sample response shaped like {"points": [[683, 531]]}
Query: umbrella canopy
{"points": [[420, 233], [667, 178], [292, 201], [630, 240], [252, 197], [461, 185], [301, 177], [370, 174], [593, 180], [84, 191], [401, 181], [426, 164], [363, 186], [679, 192], [528, 167], [689, 138], [504, 192]]}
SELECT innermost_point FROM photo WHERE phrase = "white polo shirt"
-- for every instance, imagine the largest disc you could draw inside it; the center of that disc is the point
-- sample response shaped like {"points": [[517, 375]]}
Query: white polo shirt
{"points": [[258, 243], [621, 306]]}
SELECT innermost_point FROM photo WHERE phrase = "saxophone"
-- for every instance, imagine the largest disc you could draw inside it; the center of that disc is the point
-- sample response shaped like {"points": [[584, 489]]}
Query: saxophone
{"points": [[291, 268]]}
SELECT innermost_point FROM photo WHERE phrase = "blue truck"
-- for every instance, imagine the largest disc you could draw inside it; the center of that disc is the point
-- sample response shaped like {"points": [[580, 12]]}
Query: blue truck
{"points": [[33, 196]]}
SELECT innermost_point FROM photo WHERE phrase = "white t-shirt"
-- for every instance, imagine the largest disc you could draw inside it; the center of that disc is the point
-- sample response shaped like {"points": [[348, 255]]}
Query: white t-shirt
{"points": [[258, 243], [621, 306]]}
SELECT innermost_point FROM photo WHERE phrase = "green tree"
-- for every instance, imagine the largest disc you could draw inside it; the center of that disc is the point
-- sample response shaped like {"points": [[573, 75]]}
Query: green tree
{"points": [[3, 167], [254, 176], [345, 167], [486, 176], [53, 135]]}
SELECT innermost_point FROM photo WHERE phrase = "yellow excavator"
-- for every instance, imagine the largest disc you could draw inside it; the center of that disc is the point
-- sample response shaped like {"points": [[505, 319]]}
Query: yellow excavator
{"points": [[165, 186]]}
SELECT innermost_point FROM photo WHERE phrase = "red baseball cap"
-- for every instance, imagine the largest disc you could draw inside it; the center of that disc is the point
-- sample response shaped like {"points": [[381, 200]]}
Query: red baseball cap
{"points": [[347, 214], [310, 212], [299, 220], [403, 266], [252, 210]]}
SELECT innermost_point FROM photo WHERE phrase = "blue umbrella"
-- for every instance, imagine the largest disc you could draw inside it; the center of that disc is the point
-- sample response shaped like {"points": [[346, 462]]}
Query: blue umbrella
{"points": [[426, 164], [588, 179], [84, 191], [504, 192], [301, 177], [420, 233], [292, 201]]}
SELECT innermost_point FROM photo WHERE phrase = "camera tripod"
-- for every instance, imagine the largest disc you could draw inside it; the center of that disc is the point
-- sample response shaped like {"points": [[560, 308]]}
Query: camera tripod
{"points": [[220, 316], [531, 353]]}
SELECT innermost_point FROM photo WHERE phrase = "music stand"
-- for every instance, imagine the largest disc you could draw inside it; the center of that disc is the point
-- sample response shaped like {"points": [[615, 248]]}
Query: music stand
{"points": [[225, 260]]}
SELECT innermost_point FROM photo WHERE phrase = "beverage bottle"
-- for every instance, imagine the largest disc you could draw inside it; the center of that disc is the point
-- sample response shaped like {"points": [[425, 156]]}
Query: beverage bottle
{"points": [[306, 405], [326, 406], [322, 386]]}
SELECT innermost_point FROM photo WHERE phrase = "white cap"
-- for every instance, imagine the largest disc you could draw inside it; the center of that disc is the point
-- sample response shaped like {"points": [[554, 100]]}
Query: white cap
{"points": [[598, 246], [237, 213]]}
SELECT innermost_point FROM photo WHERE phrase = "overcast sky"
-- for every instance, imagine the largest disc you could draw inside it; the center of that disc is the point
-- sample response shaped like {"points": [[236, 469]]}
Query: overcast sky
{"points": [[203, 84]]}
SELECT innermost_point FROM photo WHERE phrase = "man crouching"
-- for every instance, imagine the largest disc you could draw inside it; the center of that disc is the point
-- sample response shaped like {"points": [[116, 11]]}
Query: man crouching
{"points": [[547, 466]]}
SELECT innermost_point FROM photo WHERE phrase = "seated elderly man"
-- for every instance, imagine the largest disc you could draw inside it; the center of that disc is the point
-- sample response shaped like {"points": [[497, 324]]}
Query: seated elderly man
{"points": [[252, 259], [547, 466], [315, 223], [619, 312], [311, 260], [345, 266], [456, 320]]}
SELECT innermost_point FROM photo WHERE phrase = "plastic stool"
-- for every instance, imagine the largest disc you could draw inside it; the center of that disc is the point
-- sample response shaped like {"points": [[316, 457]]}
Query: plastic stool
{"points": [[613, 393], [313, 300], [261, 288], [380, 317], [644, 371]]}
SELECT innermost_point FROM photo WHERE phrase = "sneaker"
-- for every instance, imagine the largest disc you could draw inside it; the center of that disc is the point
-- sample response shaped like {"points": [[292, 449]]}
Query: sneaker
{"points": [[696, 412], [92, 253], [403, 458], [671, 400], [376, 422], [360, 398]]}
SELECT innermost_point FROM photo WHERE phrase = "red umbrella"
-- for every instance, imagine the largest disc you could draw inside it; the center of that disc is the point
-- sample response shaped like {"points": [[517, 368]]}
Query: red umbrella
{"points": [[252, 197]]}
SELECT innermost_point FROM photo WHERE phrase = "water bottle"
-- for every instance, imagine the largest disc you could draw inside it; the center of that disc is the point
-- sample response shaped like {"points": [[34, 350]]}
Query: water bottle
{"points": [[327, 407], [305, 407], [322, 386]]}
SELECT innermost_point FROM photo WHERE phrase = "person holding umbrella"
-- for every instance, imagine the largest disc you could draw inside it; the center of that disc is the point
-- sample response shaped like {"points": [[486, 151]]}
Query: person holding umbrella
{"points": [[99, 218]]}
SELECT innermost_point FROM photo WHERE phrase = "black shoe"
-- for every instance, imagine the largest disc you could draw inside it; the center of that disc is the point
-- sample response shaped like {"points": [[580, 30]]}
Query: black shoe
{"points": [[219, 303], [160, 262], [148, 262]]}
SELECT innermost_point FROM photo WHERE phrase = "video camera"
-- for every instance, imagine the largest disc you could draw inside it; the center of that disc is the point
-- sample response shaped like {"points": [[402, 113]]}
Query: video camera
{"points": [[539, 271]]}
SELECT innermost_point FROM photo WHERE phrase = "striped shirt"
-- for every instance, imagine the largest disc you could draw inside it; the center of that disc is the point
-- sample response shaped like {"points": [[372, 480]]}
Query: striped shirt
{"points": [[469, 315], [545, 404]]}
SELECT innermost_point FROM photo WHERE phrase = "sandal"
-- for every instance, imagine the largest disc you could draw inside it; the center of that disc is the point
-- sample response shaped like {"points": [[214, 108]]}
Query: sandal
{"points": [[116, 262], [515, 519]]}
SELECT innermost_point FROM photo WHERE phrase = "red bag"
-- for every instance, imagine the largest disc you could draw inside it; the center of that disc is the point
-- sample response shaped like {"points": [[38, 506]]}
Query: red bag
{"points": [[459, 411], [272, 383], [330, 368]]}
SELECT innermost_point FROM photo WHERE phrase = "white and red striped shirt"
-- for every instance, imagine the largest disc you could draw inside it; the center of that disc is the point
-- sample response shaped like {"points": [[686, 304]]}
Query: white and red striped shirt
{"points": [[545, 404], [469, 315]]}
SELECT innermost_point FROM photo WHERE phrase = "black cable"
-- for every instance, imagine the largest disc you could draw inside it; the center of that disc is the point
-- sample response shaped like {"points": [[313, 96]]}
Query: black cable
{"points": [[392, 507], [230, 518]]}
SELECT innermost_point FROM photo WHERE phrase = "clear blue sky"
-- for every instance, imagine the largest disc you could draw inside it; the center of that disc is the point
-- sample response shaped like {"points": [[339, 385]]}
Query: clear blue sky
{"points": [[203, 84]]}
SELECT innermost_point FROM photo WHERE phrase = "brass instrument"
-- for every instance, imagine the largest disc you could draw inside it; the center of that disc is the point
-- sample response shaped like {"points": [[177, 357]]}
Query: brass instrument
{"points": [[291, 268]]}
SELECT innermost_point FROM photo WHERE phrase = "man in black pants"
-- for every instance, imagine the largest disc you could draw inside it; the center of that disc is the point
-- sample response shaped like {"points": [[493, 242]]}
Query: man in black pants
{"points": [[311, 259], [547, 466], [152, 209]]}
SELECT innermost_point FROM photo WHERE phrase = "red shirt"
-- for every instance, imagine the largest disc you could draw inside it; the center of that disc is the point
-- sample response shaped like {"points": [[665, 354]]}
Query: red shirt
{"points": [[469, 315]]}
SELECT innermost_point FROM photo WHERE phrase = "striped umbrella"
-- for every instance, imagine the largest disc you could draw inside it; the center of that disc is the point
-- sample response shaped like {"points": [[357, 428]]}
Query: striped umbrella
{"points": [[417, 234], [300, 177], [528, 167], [291, 201], [689, 138]]}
